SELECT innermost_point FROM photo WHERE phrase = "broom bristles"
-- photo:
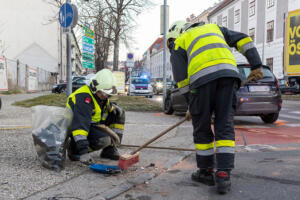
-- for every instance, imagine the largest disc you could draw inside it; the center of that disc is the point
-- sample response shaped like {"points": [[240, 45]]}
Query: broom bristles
{"points": [[127, 160]]}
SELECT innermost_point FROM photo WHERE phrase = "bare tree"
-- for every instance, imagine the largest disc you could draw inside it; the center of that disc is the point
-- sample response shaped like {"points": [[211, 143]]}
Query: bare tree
{"points": [[123, 12], [112, 20]]}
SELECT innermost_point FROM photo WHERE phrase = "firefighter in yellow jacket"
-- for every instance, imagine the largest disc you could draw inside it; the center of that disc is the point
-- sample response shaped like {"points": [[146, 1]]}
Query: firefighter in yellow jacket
{"points": [[91, 106], [206, 73]]}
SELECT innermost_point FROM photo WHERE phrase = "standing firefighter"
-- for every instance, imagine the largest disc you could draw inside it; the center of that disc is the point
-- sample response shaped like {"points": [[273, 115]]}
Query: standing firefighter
{"points": [[91, 107], [206, 73]]}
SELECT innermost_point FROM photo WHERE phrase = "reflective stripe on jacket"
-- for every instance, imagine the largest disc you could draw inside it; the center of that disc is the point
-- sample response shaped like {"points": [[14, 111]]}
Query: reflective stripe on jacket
{"points": [[207, 52]]}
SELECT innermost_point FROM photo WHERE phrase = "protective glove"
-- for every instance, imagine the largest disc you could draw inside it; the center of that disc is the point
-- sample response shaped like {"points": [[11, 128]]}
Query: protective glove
{"points": [[86, 159], [255, 75], [188, 115]]}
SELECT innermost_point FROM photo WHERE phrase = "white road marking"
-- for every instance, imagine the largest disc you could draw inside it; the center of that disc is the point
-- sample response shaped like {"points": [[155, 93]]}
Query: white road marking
{"points": [[289, 116], [295, 112]]}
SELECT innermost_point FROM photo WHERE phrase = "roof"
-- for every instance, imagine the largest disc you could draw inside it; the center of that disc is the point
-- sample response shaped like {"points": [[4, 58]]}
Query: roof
{"points": [[158, 44], [220, 6]]}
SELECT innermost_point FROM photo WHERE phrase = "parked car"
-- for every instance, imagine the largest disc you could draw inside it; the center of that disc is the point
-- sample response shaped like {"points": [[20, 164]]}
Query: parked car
{"points": [[62, 87], [285, 88], [261, 99]]}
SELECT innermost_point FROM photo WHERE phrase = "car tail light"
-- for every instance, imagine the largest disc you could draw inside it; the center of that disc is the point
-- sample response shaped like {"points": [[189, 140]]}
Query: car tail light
{"points": [[280, 104]]}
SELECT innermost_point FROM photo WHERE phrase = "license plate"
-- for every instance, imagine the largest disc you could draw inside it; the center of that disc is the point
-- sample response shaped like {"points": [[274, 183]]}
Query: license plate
{"points": [[259, 88]]}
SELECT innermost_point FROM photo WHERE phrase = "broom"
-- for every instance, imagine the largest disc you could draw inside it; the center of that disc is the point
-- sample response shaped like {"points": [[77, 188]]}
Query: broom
{"points": [[127, 160]]}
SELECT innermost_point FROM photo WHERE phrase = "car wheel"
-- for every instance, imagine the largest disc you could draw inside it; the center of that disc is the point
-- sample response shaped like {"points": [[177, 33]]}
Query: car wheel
{"points": [[168, 109], [150, 96], [270, 118]]}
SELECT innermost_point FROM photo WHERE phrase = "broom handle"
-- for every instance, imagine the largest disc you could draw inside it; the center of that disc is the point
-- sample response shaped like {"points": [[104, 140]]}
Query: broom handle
{"points": [[158, 136], [157, 147]]}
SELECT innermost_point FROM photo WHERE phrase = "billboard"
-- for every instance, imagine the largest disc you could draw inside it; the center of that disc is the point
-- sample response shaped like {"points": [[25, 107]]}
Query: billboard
{"points": [[292, 43], [120, 81], [3, 78]]}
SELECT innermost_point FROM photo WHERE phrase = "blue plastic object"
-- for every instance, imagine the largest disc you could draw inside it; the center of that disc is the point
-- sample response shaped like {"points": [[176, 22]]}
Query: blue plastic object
{"points": [[105, 169]]}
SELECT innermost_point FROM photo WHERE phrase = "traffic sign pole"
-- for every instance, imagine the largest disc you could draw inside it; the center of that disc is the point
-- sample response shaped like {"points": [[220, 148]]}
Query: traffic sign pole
{"points": [[68, 17]]}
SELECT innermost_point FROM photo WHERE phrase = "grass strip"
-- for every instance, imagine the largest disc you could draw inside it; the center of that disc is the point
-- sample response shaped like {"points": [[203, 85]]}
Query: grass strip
{"points": [[128, 103]]}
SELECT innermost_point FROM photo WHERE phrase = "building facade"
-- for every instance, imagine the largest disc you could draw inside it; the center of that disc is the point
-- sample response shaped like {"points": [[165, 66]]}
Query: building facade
{"points": [[30, 36], [156, 61], [263, 21]]}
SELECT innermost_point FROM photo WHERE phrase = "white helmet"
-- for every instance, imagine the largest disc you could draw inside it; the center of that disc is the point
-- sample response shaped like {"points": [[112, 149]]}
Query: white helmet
{"points": [[103, 81]]}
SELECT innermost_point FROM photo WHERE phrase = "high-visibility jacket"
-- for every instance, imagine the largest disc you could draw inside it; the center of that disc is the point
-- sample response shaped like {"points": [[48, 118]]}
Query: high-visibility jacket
{"points": [[202, 54], [86, 110]]}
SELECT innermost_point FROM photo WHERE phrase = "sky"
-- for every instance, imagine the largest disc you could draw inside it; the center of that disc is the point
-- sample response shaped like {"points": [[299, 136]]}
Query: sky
{"points": [[148, 22]]}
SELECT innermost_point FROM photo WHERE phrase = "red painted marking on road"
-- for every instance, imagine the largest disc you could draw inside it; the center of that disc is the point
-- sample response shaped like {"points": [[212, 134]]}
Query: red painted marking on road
{"points": [[279, 123], [276, 135]]}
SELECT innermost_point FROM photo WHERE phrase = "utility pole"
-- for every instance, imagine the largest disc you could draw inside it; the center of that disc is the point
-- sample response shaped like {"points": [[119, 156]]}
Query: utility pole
{"points": [[165, 53]]}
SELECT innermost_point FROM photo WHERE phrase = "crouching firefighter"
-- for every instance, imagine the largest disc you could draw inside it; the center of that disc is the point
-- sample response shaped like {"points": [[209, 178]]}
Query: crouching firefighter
{"points": [[91, 108]]}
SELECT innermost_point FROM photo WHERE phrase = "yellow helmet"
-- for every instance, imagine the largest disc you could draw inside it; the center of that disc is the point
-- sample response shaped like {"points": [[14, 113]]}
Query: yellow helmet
{"points": [[103, 81]]}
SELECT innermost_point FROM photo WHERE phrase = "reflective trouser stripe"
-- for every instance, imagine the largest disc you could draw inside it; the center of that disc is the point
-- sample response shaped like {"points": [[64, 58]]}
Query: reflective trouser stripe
{"points": [[205, 152], [225, 150], [189, 50], [246, 47], [80, 135], [118, 126], [207, 47], [212, 69], [184, 90], [242, 42], [118, 131], [204, 146], [225, 143]]}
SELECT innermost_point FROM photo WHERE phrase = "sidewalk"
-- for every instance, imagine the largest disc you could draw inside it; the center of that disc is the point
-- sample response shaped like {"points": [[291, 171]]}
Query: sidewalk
{"points": [[262, 171]]}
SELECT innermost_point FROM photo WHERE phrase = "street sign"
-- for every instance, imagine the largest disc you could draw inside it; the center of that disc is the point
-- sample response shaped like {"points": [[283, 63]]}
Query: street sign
{"points": [[88, 40], [88, 65], [88, 57], [88, 48], [88, 32], [66, 15], [130, 60], [130, 56]]}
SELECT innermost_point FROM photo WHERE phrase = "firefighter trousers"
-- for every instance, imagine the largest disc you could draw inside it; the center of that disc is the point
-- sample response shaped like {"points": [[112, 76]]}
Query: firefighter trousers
{"points": [[217, 97]]}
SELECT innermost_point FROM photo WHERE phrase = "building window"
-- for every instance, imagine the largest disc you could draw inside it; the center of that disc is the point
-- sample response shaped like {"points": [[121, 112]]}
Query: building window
{"points": [[252, 8], [224, 21], [270, 3], [270, 31], [269, 62], [237, 16], [252, 33]]}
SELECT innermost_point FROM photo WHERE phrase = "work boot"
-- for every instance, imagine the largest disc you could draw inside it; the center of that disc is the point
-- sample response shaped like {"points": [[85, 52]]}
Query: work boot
{"points": [[223, 181], [110, 152], [205, 176], [71, 153]]}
